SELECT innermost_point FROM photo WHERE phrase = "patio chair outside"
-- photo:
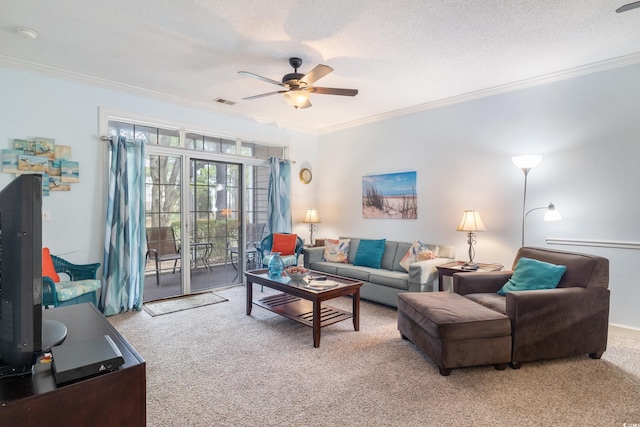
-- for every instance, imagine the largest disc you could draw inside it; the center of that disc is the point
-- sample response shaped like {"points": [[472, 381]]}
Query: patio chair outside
{"points": [[162, 246], [254, 236]]}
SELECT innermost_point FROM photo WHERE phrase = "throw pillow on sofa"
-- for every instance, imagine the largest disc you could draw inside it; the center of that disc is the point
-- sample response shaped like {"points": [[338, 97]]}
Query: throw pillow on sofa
{"points": [[369, 253], [336, 250], [531, 274], [417, 252]]}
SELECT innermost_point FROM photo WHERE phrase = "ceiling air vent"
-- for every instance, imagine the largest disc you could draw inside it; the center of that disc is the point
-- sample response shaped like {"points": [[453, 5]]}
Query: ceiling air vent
{"points": [[224, 101]]}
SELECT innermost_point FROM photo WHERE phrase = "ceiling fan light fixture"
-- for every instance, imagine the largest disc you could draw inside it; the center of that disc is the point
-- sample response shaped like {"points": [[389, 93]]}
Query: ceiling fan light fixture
{"points": [[27, 33], [296, 98]]}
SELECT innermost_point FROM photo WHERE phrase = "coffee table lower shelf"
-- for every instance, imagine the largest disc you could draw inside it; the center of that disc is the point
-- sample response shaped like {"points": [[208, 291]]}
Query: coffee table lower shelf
{"points": [[301, 310]]}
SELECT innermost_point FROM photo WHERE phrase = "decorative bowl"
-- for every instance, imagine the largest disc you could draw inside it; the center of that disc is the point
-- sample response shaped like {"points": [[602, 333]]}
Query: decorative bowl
{"points": [[296, 273]]}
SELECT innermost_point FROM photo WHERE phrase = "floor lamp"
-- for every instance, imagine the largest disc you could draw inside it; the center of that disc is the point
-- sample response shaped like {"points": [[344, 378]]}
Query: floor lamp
{"points": [[526, 163], [550, 215]]}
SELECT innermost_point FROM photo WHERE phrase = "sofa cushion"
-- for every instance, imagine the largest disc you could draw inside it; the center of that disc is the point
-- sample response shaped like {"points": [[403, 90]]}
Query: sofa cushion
{"points": [[389, 255], [326, 267], [401, 251], [370, 253], [287, 260], [583, 270], [392, 279], [358, 273], [70, 290], [353, 248], [336, 250], [531, 274], [490, 300], [452, 317]]}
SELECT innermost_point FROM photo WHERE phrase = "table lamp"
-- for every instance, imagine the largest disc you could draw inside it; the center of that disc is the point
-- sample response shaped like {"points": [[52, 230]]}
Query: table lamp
{"points": [[312, 219], [471, 223]]}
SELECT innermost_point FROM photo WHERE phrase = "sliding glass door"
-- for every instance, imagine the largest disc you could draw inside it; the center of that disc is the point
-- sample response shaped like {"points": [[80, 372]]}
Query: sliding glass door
{"points": [[214, 218], [206, 209]]}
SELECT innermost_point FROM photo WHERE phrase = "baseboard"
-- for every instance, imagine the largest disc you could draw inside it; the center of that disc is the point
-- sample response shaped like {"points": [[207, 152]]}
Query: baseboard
{"points": [[626, 331]]}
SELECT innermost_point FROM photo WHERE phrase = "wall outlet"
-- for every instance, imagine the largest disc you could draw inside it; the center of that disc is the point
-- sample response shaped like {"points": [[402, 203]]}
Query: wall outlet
{"points": [[46, 215]]}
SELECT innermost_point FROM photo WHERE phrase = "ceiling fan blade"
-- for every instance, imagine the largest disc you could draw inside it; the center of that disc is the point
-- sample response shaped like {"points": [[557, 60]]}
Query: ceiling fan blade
{"points": [[629, 6], [332, 91], [264, 79], [316, 74], [265, 94]]}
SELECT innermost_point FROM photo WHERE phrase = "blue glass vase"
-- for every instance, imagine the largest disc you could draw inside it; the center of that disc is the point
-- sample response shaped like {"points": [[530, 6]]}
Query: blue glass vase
{"points": [[276, 266]]}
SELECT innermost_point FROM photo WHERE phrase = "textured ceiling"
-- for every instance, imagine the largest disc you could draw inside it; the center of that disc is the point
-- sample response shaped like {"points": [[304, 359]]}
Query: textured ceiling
{"points": [[400, 55]]}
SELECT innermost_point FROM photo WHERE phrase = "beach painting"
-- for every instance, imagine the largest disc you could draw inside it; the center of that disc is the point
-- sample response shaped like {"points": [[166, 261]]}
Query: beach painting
{"points": [[10, 160], [391, 195], [69, 171], [32, 164]]}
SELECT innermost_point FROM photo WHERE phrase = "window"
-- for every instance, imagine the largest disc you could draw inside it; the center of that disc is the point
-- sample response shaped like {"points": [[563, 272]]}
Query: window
{"points": [[150, 135], [195, 141]]}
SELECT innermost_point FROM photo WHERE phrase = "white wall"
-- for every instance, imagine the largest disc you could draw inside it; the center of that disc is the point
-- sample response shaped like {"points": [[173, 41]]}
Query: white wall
{"points": [[36, 106], [586, 128]]}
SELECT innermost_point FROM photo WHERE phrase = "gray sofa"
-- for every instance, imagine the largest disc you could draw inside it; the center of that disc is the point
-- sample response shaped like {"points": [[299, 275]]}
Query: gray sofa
{"points": [[383, 285]]}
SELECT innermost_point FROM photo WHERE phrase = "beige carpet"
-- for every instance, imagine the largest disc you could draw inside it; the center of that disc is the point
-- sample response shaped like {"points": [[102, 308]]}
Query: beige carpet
{"points": [[171, 305], [216, 366]]}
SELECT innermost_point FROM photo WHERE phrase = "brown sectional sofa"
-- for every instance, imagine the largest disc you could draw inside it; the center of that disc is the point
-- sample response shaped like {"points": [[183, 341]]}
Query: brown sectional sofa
{"points": [[569, 320]]}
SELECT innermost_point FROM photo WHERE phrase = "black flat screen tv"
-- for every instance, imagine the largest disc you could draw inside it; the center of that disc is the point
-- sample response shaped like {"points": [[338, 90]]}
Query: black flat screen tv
{"points": [[23, 334]]}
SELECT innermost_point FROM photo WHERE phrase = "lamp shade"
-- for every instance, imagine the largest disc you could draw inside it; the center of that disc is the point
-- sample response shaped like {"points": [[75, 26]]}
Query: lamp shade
{"points": [[471, 222], [311, 217], [527, 161], [552, 214], [297, 98]]}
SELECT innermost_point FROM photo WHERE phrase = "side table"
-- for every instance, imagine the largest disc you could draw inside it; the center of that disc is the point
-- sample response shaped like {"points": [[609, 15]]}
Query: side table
{"points": [[450, 268]]}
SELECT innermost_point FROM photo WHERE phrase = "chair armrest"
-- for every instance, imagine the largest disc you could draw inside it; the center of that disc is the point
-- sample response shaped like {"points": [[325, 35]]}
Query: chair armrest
{"points": [[423, 272], [558, 322], [553, 305], [311, 255], [75, 271], [153, 252], [49, 293], [480, 282]]}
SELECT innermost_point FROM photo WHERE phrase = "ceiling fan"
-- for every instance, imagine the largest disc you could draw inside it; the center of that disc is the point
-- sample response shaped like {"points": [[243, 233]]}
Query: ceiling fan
{"points": [[297, 86]]}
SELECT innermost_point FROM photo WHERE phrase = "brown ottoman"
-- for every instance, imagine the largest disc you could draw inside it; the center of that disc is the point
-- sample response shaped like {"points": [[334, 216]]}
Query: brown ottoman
{"points": [[454, 331]]}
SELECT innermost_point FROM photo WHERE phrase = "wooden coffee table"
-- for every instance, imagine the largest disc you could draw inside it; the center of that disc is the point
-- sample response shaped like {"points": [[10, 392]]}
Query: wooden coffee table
{"points": [[302, 303]]}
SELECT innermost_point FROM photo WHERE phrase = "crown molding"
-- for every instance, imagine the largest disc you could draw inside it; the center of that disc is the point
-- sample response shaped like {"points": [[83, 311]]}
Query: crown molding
{"points": [[595, 67]]}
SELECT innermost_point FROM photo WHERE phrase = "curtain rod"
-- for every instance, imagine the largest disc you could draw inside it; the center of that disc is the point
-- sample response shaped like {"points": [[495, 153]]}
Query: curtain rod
{"points": [[293, 162]]}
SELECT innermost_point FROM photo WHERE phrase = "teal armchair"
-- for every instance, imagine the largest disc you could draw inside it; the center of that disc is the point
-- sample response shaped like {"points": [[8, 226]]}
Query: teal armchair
{"points": [[81, 287], [265, 251]]}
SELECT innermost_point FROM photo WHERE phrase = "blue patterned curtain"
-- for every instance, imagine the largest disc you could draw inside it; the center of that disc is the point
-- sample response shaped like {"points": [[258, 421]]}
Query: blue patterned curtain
{"points": [[279, 220], [123, 267]]}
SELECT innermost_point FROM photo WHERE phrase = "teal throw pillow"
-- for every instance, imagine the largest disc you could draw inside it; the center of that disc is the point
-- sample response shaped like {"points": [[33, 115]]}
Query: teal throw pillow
{"points": [[369, 253], [531, 274]]}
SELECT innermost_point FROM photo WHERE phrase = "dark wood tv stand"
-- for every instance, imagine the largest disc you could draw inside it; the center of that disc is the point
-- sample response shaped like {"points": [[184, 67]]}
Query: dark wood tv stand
{"points": [[116, 398]]}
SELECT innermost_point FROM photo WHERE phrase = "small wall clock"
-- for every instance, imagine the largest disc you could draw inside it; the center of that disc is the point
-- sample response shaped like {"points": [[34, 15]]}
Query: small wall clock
{"points": [[305, 175]]}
